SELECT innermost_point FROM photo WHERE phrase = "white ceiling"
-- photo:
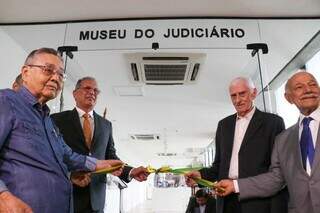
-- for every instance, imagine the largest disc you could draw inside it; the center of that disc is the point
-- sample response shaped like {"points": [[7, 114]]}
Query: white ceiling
{"points": [[17, 11], [185, 116]]}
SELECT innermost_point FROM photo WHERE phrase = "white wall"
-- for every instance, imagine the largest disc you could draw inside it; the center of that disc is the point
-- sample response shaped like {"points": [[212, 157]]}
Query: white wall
{"points": [[166, 200]]}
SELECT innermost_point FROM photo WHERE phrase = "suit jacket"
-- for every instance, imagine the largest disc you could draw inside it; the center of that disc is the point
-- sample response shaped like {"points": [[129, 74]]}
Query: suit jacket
{"points": [[210, 206], [254, 157], [102, 147], [287, 168]]}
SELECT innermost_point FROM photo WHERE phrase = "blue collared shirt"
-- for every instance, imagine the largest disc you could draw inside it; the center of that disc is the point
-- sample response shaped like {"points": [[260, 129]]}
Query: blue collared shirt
{"points": [[34, 160]]}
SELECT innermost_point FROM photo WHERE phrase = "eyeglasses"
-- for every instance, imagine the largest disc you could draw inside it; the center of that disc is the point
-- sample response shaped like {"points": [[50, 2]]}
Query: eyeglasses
{"points": [[50, 70], [88, 89]]}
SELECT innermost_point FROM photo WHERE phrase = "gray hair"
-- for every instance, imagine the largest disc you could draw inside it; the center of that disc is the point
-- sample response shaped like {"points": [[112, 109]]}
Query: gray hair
{"points": [[42, 50], [287, 85], [247, 81], [78, 84]]}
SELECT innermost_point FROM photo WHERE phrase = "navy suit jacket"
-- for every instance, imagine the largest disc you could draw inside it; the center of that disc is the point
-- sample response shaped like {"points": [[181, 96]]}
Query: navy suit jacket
{"points": [[102, 147]]}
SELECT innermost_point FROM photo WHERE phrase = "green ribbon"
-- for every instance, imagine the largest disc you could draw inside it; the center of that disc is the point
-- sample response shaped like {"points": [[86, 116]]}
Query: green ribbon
{"points": [[182, 171], [108, 170]]}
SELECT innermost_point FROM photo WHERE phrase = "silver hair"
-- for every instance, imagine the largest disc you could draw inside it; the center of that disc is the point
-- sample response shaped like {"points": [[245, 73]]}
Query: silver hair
{"points": [[42, 50], [78, 84], [287, 85], [248, 82]]}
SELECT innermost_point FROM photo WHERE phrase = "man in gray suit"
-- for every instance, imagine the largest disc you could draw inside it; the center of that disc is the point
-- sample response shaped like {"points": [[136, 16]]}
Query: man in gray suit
{"points": [[86, 132], [296, 154]]}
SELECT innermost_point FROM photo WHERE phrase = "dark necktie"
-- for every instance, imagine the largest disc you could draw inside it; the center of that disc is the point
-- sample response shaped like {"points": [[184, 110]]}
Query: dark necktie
{"points": [[87, 132], [306, 144]]}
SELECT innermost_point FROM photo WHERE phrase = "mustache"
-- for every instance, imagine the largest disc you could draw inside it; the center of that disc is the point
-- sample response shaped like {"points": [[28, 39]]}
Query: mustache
{"points": [[310, 95], [92, 97]]}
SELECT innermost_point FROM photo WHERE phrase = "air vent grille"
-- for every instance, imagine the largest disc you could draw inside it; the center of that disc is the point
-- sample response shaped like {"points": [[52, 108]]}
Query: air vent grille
{"points": [[145, 137], [195, 72], [167, 154], [165, 68], [166, 58], [164, 72], [134, 71]]}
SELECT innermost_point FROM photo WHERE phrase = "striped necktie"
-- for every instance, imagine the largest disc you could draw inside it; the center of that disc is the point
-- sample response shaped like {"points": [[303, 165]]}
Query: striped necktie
{"points": [[87, 132]]}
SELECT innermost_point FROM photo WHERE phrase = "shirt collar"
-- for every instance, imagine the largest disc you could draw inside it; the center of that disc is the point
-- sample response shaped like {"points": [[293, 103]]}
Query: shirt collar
{"points": [[81, 112], [248, 115], [29, 98], [315, 115]]}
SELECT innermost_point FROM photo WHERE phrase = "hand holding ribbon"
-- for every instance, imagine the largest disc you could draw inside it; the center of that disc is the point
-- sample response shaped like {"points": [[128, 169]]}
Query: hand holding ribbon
{"points": [[184, 171]]}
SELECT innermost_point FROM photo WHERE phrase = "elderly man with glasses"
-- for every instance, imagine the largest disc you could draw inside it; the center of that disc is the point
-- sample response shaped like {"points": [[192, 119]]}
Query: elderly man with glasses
{"points": [[34, 160]]}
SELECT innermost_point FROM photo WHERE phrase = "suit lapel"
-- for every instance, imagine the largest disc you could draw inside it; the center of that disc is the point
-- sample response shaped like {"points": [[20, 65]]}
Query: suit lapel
{"points": [[97, 130], [229, 138], [316, 160], [254, 124], [77, 124], [294, 146]]}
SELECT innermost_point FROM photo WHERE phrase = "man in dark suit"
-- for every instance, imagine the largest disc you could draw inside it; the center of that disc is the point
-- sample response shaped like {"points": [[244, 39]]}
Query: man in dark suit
{"points": [[296, 153], [202, 202], [244, 144], [86, 132]]}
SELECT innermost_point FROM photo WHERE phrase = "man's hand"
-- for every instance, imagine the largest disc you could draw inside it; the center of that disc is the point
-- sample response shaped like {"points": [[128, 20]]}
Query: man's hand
{"points": [[103, 164], [228, 187], [139, 173], [189, 178], [118, 172], [80, 178], [11, 204]]}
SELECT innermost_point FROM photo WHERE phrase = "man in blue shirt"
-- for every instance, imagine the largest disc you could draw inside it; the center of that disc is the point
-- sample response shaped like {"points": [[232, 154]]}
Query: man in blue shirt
{"points": [[34, 160]]}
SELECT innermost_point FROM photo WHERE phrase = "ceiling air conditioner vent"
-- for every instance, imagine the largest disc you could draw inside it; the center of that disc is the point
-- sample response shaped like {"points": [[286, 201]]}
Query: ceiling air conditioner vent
{"points": [[167, 154], [164, 58], [165, 68], [134, 71], [144, 137], [165, 72]]}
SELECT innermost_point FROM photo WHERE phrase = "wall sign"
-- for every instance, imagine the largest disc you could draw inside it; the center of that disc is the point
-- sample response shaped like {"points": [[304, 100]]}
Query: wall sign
{"points": [[173, 34]]}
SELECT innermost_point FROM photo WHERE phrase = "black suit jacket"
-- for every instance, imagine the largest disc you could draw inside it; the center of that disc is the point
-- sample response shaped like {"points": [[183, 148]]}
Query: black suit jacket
{"points": [[210, 206], [102, 147], [254, 158]]}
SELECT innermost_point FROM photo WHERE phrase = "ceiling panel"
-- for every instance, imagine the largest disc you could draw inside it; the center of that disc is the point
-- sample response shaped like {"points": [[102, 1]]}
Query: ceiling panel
{"points": [[51, 11], [184, 116]]}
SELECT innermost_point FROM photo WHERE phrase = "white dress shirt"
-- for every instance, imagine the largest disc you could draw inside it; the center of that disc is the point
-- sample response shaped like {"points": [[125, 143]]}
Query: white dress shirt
{"points": [[202, 208], [91, 120], [242, 124], [314, 127]]}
